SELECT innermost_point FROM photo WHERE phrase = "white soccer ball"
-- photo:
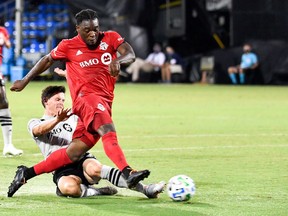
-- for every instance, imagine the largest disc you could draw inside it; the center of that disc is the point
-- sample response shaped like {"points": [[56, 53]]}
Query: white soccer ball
{"points": [[181, 188]]}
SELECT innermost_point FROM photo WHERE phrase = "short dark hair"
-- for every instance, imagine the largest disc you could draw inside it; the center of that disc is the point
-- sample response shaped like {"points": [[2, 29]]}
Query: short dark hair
{"points": [[49, 92], [86, 14]]}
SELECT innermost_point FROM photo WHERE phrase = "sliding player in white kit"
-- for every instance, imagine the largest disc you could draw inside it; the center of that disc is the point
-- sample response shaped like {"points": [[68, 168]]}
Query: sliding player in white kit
{"points": [[53, 131]]}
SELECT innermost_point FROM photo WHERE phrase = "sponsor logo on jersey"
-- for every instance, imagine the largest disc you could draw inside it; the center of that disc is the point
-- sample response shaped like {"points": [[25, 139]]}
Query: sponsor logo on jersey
{"points": [[103, 46], [106, 58], [79, 53], [67, 127], [100, 107], [89, 62], [58, 130], [119, 39]]}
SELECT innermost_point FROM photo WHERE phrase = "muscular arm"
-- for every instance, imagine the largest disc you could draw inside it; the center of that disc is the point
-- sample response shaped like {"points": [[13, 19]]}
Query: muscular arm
{"points": [[43, 64], [127, 56], [44, 127], [48, 125]]}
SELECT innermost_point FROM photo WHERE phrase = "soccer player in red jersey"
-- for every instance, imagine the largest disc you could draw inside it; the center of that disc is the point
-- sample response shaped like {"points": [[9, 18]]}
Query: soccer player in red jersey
{"points": [[92, 66]]}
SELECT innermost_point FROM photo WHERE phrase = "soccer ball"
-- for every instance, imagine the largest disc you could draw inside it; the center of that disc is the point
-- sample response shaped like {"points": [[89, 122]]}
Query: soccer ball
{"points": [[181, 188]]}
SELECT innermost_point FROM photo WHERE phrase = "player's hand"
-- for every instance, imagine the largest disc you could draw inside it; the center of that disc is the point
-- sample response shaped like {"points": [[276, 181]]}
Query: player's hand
{"points": [[114, 69], [60, 72], [64, 114], [18, 85]]}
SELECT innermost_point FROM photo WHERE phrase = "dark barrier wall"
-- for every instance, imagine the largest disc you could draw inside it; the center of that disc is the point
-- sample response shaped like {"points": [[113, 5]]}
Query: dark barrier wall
{"points": [[258, 19], [273, 59]]}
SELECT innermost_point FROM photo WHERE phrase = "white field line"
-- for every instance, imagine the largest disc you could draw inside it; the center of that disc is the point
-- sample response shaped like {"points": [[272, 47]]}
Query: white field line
{"points": [[185, 148], [201, 135], [192, 148], [185, 136]]}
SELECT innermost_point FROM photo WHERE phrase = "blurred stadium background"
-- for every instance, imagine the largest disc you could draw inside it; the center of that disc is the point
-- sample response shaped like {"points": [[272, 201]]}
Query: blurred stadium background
{"points": [[197, 29]]}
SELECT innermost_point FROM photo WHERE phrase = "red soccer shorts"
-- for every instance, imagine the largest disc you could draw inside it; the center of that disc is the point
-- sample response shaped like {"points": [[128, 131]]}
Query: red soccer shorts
{"points": [[91, 108], [86, 137]]}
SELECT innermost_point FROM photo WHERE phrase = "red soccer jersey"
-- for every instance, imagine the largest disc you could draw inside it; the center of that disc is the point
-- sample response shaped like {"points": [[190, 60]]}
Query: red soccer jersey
{"points": [[3, 36], [88, 70]]}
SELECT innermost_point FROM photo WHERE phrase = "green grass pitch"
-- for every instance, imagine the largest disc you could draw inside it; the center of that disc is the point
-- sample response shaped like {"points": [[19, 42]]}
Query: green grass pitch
{"points": [[232, 140]]}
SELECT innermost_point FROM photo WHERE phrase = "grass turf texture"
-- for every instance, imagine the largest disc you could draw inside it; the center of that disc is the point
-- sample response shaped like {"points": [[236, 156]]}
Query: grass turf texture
{"points": [[232, 140]]}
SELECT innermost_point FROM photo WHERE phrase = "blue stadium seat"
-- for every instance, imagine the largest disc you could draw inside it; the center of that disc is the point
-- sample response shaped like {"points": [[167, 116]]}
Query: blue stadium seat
{"points": [[25, 33], [50, 26], [10, 25], [32, 25], [50, 17], [25, 25], [38, 23], [33, 16], [42, 8], [41, 23], [32, 33], [42, 48]]}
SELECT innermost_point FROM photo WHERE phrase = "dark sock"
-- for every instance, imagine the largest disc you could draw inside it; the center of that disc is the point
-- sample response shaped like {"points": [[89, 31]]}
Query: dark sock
{"points": [[29, 173], [126, 171]]}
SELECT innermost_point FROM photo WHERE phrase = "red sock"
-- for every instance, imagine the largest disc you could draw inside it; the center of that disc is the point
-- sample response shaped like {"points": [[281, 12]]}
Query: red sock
{"points": [[54, 161], [113, 150]]}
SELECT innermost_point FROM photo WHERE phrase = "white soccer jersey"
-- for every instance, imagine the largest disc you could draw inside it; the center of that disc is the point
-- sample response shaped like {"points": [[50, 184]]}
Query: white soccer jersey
{"points": [[59, 137]]}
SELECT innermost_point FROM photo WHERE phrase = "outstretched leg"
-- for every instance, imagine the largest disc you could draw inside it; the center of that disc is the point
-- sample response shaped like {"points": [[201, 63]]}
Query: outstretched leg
{"points": [[94, 171], [54, 161], [116, 155]]}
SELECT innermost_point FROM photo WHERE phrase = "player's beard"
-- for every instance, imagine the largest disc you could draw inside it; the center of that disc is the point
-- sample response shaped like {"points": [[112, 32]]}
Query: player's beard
{"points": [[92, 47]]}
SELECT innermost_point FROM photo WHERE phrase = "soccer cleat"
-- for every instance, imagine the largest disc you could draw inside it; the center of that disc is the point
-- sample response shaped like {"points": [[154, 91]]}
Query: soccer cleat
{"points": [[153, 190], [106, 190], [11, 151], [135, 177], [18, 180]]}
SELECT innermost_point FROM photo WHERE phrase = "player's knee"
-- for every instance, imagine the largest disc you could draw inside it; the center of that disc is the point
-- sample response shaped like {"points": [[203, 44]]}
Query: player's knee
{"points": [[3, 101], [92, 171], [72, 191], [4, 105], [104, 129], [94, 168], [231, 70], [69, 187]]}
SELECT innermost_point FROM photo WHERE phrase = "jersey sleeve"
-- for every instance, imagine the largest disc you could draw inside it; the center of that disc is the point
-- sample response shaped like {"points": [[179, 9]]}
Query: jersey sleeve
{"points": [[31, 124], [60, 51], [116, 39]]}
